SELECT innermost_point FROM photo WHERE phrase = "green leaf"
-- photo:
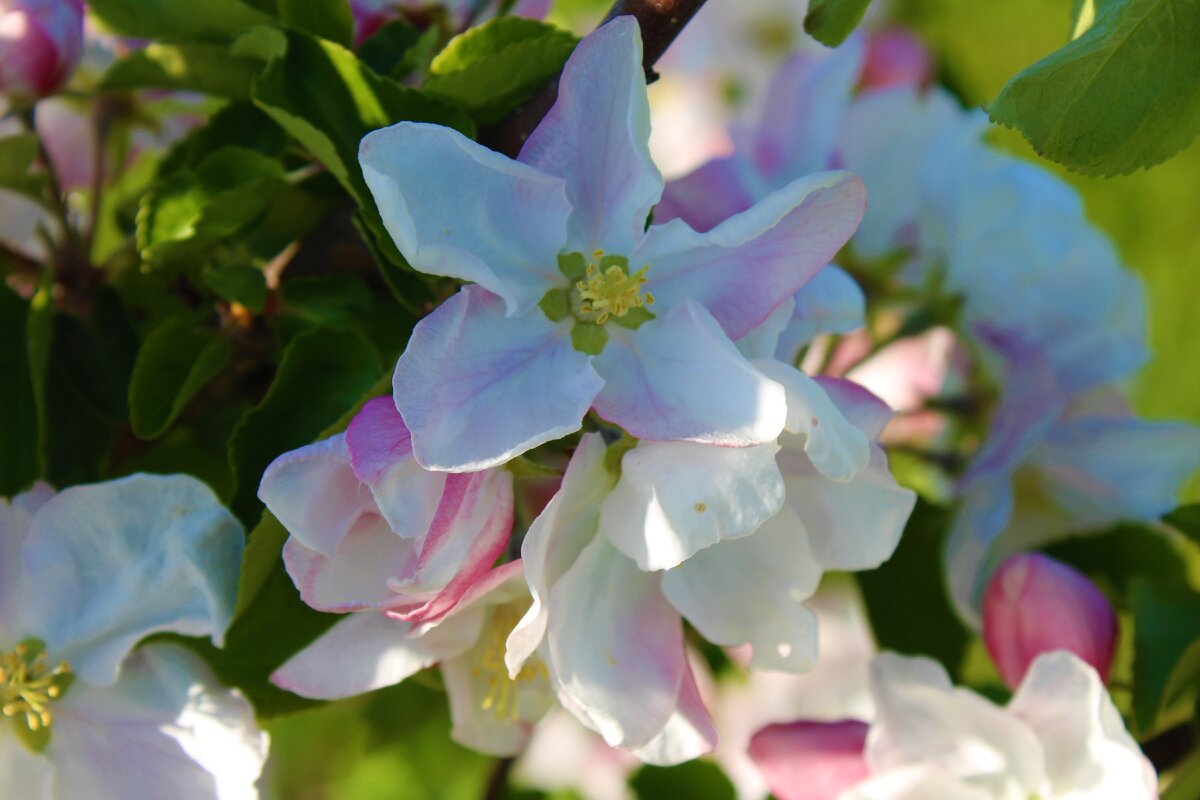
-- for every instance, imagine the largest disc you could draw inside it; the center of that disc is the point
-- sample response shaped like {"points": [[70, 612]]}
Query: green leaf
{"points": [[323, 373], [171, 19], [191, 211], [238, 283], [1186, 520], [396, 49], [695, 780], [1122, 96], [175, 362], [906, 597], [18, 412], [1166, 661], [204, 67], [39, 338], [1115, 559], [831, 21], [18, 154], [491, 68], [328, 19]]}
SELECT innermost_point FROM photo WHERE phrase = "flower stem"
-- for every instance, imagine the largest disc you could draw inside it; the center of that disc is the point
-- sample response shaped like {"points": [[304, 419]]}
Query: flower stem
{"points": [[498, 781]]}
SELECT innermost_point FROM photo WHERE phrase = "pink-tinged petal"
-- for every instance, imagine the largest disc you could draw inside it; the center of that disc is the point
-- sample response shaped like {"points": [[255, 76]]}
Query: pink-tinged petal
{"points": [[314, 493], [596, 137], [811, 760], [356, 576], [689, 732], [763, 341], [867, 412], [711, 194], [908, 373], [831, 302], [742, 269], [984, 511], [369, 651], [41, 43], [751, 591], [679, 377], [458, 209], [676, 498], [922, 720], [555, 540], [468, 384], [166, 728], [1035, 604], [124, 559], [1088, 752], [616, 646], [804, 107], [834, 445], [895, 57], [380, 449], [854, 525], [469, 532]]}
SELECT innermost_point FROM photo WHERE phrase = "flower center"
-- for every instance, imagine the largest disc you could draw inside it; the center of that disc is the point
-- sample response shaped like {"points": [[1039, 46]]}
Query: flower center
{"points": [[27, 686], [503, 697], [611, 291]]}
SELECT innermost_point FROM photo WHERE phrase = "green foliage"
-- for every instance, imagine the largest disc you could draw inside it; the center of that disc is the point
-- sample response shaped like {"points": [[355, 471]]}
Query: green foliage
{"points": [[1123, 95], [171, 19], [328, 19], [193, 210], [17, 156], [18, 412], [831, 21], [1186, 519], [322, 374], [174, 363], [490, 69], [906, 598], [1117, 559], [1166, 662], [238, 283], [205, 67], [397, 49], [696, 780]]}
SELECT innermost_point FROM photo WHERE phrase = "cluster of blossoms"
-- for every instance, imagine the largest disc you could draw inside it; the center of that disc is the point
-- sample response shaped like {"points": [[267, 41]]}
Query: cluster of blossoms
{"points": [[649, 420]]}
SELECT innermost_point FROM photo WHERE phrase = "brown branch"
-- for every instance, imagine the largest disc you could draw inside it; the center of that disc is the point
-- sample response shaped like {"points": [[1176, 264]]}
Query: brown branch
{"points": [[660, 21]]}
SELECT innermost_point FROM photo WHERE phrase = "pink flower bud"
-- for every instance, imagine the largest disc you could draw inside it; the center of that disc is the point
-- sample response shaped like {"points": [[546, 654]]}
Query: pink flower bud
{"points": [[896, 58], [1034, 605], [810, 760], [41, 42]]}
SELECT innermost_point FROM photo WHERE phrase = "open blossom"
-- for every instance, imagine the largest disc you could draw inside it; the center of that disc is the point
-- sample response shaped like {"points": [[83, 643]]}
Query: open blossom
{"points": [[491, 711], [572, 293], [85, 575], [733, 539], [372, 530], [1035, 604], [41, 42], [1060, 738]]}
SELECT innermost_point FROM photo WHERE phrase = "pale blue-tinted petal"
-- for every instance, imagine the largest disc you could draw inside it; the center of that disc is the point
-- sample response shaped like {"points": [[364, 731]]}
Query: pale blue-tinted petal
{"points": [[107, 564], [596, 137], [477, 388], [742, 269], [457, 209], [832, 302]]}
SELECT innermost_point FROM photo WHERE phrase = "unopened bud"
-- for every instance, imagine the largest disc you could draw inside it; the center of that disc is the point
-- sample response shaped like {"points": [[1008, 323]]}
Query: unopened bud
{"points": [[41, 42], [810, 760], [1035, 604], [896, 57]]}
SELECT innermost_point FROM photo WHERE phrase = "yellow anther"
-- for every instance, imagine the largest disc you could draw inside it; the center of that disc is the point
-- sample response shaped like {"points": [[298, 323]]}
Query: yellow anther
{"points": [[612, 293], [503, 695], [27, 686]]}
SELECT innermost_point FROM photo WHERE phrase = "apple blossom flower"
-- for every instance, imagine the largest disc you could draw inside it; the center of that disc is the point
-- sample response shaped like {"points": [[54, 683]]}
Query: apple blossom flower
{"points": [[733, 539], [1059, 738], [491, 711], [572, 292], [1035, 604], [41, 42], [370, 529], [896, 57], [85, 575]]}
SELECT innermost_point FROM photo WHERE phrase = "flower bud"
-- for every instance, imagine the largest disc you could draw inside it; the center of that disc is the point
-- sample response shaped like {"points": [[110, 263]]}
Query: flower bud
{"points": [[810, 760], [1035, 604], [41, 42], [896, 58]]}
